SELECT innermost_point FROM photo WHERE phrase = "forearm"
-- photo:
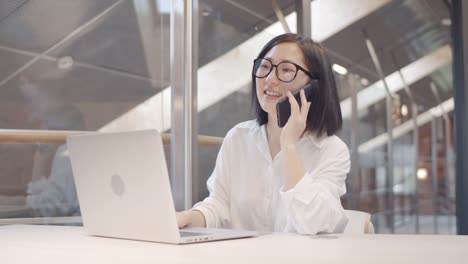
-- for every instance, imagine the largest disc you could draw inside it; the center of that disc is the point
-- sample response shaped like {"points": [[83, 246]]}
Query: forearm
{"points": [[293, 165]]}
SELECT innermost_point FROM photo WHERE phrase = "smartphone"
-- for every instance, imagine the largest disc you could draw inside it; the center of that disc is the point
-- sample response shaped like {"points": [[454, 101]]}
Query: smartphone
{"points": [[283, 108]]}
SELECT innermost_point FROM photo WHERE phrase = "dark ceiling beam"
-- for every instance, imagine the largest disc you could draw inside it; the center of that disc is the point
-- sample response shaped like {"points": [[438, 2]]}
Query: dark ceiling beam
{"points": [[304, 17]]}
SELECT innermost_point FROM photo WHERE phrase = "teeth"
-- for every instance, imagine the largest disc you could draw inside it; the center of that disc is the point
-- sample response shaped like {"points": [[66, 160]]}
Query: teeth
{"points": [[272, 93]]}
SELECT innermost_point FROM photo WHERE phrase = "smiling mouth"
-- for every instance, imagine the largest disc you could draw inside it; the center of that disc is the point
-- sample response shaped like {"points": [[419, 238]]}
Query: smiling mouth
{"points": [[274, 94]]}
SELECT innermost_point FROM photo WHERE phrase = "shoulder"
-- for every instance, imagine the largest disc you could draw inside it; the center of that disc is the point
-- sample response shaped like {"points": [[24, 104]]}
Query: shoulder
{"points": [[328, 144], [335, 142]]}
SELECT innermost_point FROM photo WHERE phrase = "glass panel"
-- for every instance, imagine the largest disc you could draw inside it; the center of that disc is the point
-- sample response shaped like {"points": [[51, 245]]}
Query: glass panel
{"points": [[102, 67], [419, 32], [411, 36]]}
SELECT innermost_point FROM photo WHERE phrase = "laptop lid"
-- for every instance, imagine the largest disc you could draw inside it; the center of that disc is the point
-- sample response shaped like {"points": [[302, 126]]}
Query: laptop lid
{"points": [[123, 185]]}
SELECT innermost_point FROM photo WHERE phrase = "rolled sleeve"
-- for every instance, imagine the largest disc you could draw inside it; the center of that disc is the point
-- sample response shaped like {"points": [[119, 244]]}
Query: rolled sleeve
{"points": [[216, 207], [313, 205], [214, 212]]}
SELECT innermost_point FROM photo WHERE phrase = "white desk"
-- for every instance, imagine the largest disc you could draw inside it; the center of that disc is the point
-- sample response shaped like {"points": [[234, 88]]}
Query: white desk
{"points": [[60, 244]]}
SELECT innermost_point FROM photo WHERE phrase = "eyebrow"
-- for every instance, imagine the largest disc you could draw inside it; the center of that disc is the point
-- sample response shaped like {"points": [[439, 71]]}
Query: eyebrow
{"points": [[285, 61]]}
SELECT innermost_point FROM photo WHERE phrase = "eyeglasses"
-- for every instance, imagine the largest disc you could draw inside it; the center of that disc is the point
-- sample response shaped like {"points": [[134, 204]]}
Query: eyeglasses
{"points": [[285, 71]]}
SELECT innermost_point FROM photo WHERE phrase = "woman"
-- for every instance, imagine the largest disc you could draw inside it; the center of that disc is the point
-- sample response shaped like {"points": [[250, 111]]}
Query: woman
{"points": [[289, 179]]}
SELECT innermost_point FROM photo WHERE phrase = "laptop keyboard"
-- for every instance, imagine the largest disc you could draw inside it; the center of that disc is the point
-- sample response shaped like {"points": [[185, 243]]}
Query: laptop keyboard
{"points": [[190, 234]]}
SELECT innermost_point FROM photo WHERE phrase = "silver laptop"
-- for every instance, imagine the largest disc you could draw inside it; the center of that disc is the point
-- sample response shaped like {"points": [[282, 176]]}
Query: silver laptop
{"points": [[124, 190]]}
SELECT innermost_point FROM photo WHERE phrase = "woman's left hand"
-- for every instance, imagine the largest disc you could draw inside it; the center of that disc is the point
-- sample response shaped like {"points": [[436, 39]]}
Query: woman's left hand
{"points": [[296, 124]]}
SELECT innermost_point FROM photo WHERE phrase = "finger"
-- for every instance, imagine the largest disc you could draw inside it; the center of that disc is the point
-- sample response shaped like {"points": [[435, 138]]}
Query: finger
{"points": [[303, 98], [304, 103], [305, 110], [293, 103], [181, 220], [182, 224]]}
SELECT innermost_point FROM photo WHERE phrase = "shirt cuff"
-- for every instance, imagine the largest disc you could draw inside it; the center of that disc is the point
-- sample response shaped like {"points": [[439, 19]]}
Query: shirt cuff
{"points": [[209, 217], [297, 192]]}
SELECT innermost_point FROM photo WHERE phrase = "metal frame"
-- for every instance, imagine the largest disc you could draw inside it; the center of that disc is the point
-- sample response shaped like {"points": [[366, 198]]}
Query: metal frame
{"points": [[279, 14], [460, 70], [448, 148], [184, 45], [389, 110], [414, 118], [354, 86], [434, 174], [304, 17]]}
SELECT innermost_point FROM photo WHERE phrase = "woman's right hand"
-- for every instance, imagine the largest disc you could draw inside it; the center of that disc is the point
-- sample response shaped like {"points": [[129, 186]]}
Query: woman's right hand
{"points": [[190, 218], [183, 219]]}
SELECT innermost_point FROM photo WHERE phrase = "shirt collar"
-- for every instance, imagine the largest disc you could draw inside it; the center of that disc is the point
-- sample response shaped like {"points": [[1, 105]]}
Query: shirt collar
{"points": [[259, 133]]}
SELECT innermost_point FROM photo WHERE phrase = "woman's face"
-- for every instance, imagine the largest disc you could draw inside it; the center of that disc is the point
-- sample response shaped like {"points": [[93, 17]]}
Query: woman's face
{"points": [[270, 89]]}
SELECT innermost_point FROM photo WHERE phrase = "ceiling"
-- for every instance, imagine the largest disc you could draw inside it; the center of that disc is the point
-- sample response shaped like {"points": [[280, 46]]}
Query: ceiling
{"points": [[107, 42]]}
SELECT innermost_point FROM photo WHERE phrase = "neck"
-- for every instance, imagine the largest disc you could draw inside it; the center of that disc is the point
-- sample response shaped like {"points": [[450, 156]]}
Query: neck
{"points": [[273, 130]]}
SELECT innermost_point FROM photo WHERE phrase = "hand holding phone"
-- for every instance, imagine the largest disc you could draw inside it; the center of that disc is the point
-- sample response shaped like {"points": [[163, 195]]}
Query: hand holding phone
{"points": [[283, 107]]}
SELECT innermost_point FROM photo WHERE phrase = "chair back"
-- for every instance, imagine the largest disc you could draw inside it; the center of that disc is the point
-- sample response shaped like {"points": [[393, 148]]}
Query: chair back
{"points": [[358, 223]]}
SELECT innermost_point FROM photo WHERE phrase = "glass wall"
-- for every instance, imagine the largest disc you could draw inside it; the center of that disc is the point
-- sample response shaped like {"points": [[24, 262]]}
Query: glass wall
{"points": [[78, 66], [105, 66], [406, 182]]}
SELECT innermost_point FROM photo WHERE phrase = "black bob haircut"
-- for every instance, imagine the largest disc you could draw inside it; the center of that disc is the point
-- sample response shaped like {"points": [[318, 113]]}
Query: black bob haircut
{"points": [[325, 112]]}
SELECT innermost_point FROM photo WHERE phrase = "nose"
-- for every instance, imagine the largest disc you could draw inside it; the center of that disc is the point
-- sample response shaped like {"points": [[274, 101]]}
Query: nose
{"points": [[271, 77]]}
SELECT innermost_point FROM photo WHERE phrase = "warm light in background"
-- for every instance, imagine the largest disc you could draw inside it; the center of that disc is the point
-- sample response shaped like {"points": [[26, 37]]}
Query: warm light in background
{"points": [[339, 69], [422, 173], [404, 110]]}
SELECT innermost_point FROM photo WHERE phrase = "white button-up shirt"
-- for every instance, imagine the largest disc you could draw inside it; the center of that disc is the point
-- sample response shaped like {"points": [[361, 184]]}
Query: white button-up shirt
{"points": [[246, 185]]}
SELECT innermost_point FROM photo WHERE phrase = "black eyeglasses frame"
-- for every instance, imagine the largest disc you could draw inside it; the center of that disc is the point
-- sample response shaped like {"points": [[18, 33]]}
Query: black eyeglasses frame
{"points": [[298, 67]]}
